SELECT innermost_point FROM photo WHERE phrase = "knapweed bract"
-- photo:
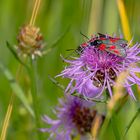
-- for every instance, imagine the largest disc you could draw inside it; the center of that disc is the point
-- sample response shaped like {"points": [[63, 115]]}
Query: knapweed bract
{"points": [[101, 59]]}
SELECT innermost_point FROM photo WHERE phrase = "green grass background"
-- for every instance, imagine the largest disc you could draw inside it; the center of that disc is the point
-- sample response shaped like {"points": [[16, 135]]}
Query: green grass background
{"points": [[55, 19]]}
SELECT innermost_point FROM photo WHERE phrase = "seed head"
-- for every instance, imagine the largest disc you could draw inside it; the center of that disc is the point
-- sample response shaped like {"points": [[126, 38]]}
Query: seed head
{"points": [[30, 41]]}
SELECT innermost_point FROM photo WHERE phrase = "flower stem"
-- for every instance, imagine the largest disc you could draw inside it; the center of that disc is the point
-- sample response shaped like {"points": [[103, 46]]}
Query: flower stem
{"points": [[104, 127], [115, 128], [36, 106]]}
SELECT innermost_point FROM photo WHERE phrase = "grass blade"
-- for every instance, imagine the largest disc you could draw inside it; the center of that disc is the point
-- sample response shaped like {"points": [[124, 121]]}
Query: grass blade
{"points": [[16, 88], [131, 122], [7, 119], [124, 20]]}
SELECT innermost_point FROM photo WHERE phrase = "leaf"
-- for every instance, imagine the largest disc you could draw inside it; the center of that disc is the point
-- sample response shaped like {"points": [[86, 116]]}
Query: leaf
{"points": [[16, 88], [54, 44], [14, 53]]}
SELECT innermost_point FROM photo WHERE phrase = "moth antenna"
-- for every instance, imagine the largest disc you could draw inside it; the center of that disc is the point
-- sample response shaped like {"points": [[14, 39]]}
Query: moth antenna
{"points": [[102, 35], [70, 49], [84, 35]]}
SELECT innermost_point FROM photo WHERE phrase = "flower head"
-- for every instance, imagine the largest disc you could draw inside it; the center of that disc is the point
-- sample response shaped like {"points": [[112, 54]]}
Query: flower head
{"points": [[30, 41], [101, 60], [74, 116]]}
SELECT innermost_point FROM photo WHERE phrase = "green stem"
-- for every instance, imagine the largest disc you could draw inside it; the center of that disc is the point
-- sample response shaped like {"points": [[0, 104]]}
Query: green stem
{"points": [[115, 128], [104, 127], [107, 119], [36, 106]]}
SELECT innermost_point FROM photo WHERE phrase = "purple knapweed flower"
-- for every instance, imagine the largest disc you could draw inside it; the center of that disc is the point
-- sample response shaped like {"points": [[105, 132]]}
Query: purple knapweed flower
{"points": [[74, 116], [101, 60]]}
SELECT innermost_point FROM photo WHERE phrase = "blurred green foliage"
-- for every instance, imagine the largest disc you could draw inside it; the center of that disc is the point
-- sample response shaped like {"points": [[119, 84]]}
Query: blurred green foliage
{"points": [[58, 17]]}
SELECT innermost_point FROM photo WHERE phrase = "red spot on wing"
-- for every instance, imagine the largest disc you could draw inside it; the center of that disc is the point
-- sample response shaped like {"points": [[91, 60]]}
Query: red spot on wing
{"points": [[102, 47], [112, 47], [84, 45], [116, 51], [113, 40], [102, 38]]}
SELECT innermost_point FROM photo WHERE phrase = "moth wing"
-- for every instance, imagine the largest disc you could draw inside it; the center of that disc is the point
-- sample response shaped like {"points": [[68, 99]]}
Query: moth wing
{"points": [[121, 41], [106, 41], [116, 49]]}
